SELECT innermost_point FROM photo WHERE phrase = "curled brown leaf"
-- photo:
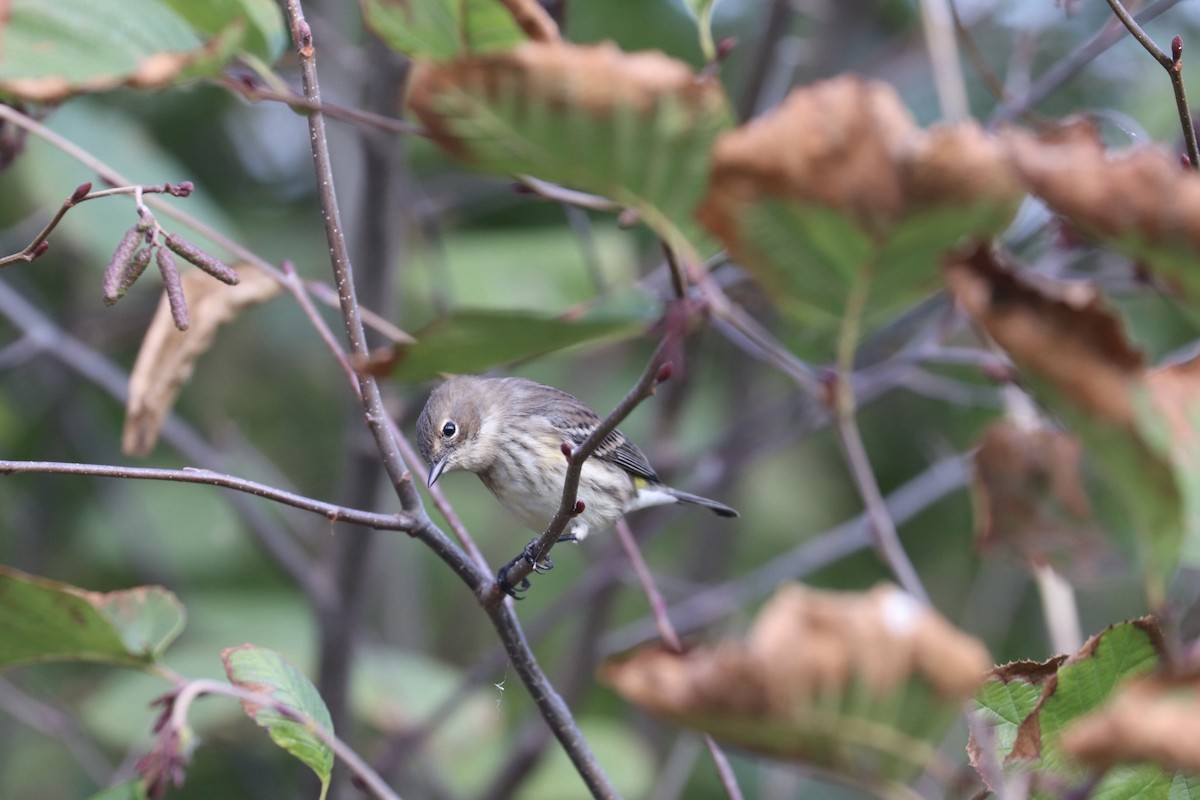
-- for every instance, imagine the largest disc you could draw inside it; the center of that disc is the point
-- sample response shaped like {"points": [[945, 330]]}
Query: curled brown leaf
{"points": [[167, 356]]}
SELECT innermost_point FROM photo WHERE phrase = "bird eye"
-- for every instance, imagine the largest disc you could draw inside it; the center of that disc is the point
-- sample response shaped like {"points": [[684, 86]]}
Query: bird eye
{"points": [[449, 429]]}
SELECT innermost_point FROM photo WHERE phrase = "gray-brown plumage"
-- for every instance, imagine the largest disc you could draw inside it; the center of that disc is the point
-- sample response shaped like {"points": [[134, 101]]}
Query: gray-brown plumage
{"points": [[510, 432]]}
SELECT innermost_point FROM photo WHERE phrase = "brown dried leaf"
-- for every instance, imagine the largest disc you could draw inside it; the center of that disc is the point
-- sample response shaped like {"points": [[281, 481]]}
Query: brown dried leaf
{"points": [[781, 690], [1149, 719], [1062, 332], [167, 355], [1141, 198], [1031, 504], [850, 145]]}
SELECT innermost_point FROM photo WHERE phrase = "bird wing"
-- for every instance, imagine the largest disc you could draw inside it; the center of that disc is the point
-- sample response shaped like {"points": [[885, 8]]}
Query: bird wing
{"points": [[581, 421]]}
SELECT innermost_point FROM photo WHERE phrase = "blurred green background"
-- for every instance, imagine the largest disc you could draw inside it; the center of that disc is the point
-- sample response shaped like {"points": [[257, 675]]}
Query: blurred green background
{"points": [[272, 400]]}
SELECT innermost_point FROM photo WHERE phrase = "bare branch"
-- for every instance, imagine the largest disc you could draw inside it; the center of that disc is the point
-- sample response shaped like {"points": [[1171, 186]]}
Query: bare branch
{"points": [[332, 512], [1173, 64]]}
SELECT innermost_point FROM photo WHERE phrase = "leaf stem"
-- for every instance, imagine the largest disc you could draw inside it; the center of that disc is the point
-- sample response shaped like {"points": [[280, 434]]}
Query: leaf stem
{"points": [[883, 528]]}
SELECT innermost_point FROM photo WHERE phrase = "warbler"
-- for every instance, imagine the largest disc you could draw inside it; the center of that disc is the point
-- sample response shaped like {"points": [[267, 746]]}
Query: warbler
{"points": [[511, 431]]}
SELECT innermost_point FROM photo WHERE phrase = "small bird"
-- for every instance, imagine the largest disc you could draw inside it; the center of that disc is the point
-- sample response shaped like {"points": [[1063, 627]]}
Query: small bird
{"points": [[511, 431]]}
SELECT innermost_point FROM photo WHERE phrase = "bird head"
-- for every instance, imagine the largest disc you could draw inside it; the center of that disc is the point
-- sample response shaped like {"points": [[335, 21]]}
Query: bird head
{"points": [[449, 426]]}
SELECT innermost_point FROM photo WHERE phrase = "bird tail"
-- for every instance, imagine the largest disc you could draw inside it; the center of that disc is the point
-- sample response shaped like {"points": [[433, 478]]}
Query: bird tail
{"points": [[720, 509]]}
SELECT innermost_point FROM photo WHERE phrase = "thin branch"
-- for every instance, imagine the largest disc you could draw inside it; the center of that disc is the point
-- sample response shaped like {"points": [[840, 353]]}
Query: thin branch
{"points": [[678, 278], [39, 245], [569, 197], [321, 291], [357, 116], [882, 526], [1173, 64], [658, 607], [86, 362], [519, 568], [937, 21], [1053, 78], [334, 513], [887, 539], [666, 632], [190, 691], [551, 705]]}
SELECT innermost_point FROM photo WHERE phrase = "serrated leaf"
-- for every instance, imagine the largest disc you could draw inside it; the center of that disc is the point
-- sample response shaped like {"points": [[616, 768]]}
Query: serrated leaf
{"points": [[838, 191], [1067, 690], [1008, 696], [474, 341], [442, 29], [265, 35], [849, 681], [635, 127], [266, 672], [44, 620], [53, 50]]}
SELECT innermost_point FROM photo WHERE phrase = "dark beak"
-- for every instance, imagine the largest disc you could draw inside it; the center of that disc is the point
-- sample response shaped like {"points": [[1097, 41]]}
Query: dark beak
{"points": [[436, 470]]}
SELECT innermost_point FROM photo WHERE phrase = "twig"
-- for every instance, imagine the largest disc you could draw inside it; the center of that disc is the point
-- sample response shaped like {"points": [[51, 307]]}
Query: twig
{"points": [[551, 705], [570, 197], [724, 771], [1173, 64], [39, 245], [357, 116], [678, 278], [938, 25], [670, 638], [1053, 78], [334, 513], [658, 607], [886, 538], [190, 691], [1058, 609], [519, 568], [321, 291], [95, 368]]}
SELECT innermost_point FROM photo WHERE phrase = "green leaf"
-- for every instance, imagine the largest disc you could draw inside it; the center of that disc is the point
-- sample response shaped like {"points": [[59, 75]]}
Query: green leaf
{"points": [[1087, 680], [265, 34], [442, 29], [53, 50], [474, 341], [133, 790], [266, 672], [1009, 695], [637, 128], [43, 620], [1030, 705]]}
